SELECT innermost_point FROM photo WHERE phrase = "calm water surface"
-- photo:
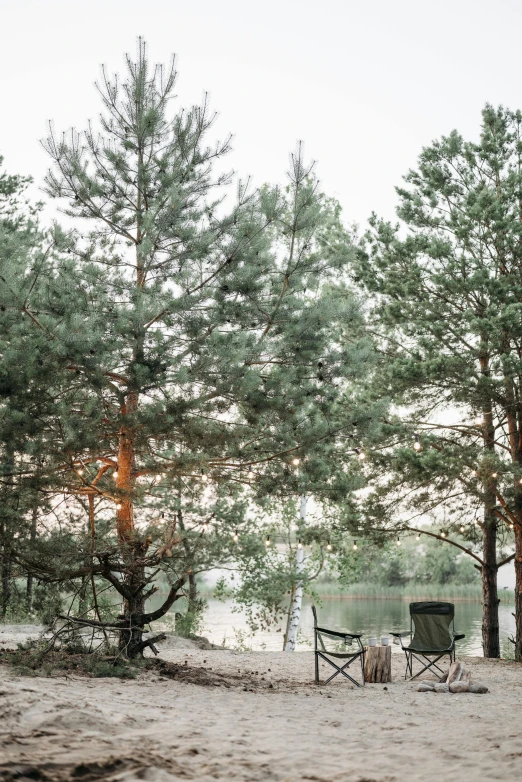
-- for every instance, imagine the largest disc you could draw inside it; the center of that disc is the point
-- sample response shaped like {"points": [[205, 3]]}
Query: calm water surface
{"points": [[367, 616]]}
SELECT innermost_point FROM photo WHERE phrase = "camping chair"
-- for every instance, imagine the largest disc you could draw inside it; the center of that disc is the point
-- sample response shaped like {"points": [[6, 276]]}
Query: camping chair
{"points": [[325, 654], [432, 634]]}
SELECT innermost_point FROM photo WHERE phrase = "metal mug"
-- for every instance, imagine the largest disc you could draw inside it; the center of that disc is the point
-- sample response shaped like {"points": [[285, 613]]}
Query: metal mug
{"points": [[372, 641]]}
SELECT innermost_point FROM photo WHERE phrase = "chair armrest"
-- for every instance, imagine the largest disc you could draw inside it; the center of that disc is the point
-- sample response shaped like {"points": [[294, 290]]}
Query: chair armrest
{"points": [[401, 635], [459, 636], [337, 634]]}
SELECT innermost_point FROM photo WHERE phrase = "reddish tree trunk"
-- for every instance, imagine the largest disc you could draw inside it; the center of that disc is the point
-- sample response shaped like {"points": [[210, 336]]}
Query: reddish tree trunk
{"points": [[131, 548]]}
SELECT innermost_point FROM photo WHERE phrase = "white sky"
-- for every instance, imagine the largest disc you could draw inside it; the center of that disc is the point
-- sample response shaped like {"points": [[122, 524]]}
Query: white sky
{"points": [[365, 83]]}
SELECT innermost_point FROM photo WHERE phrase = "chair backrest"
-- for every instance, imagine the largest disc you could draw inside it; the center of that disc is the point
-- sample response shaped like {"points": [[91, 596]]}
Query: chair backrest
{"points": [[432, 625]]}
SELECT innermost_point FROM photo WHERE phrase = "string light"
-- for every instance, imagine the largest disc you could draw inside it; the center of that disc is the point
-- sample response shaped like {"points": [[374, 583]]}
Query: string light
{"points": [[494, 474], [250, 473], [80, 472], [417, 537], [118, 506], [295, 462], [267, 541], [235, 536], [520, 481], [417, 444], [360, 454], [398, 542], [328, 546], [115, 474], [204, 476], [474, 473], [299, 544], [462, 529], [354, 545], [443, 534]]}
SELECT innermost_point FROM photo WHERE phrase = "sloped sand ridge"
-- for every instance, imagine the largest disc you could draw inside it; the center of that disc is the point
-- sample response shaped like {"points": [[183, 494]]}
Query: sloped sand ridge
{"points": [[212, 715]]}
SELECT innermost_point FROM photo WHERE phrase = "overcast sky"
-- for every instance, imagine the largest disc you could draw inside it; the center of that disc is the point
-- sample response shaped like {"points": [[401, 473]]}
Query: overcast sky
{"points": [[365, 84]]}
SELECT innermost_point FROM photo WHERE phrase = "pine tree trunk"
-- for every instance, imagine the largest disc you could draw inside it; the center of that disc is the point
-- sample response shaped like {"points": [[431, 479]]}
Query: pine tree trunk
{"points": [[490, 620], [489, 572], [32, 538], [6, 581], [518, 577], [131, 548]]}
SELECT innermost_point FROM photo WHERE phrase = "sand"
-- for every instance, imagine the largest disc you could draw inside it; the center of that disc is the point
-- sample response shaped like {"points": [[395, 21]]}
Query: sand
{"points": [[260, 717]]}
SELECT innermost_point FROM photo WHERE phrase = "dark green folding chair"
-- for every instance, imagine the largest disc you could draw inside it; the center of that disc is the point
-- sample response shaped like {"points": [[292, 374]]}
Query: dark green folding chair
{"points": [[320, 633], [433, 636]]}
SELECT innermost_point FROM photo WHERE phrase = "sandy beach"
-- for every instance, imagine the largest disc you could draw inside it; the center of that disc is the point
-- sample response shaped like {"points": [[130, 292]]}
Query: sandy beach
{"points": [[257, 716]]}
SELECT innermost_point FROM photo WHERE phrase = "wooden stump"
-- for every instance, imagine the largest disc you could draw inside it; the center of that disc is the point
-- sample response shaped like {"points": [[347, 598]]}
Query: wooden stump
{"points": [[377, 664]]}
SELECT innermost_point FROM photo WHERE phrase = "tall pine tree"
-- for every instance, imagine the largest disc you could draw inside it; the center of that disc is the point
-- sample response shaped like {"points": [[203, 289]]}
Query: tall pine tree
{"points": [[450, 285], [197, 346]]}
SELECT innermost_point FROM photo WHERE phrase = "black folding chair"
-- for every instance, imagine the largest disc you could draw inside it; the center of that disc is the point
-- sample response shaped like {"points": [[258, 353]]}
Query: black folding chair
{"points": [[433, 636], [324, 654]]}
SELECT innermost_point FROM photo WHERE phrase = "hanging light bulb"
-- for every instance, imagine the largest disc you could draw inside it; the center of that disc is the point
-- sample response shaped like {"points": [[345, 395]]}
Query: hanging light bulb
{"points": [[328, 546], [416, 444], [462, 529], [443, 534], [354, 545], [250, 473], [204, 476], [520, 481], [118, 506], [115, 474], [299, 544], [296, 461], [235, 536], [494, 474], [474, 473], [267, 541], [417, 537], [206, 526], [398, 542], [360, 454], [479, 421], [80, 471]]}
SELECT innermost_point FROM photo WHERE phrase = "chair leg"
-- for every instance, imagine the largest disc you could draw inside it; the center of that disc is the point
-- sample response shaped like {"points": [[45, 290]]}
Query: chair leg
{"points": [[362, 670], [316, 668], [341, 670]]}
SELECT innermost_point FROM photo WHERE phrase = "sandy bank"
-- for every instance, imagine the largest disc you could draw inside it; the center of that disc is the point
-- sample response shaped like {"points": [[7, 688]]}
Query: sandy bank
{"points": [[281, 727]]}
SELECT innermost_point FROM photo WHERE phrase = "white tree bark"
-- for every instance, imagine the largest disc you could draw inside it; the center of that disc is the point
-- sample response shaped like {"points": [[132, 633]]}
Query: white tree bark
{"points": [[295, 613]]}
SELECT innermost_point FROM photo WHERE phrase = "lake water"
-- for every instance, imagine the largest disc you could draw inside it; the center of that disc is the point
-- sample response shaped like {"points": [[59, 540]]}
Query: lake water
{"points": [[222, 625]]}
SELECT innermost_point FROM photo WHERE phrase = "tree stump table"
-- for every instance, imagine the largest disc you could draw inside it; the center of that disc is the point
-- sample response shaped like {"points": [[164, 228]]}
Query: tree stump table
{"points": [[377, 664]]}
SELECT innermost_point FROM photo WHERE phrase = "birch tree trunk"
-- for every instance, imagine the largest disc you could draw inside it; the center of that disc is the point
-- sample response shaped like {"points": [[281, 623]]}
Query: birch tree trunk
{"points": [[295, 614]]}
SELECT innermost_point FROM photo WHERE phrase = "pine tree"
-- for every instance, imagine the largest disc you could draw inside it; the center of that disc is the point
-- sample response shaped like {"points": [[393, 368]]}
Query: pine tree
{"points": [[450, 286], [21, 245], [192, 344]]}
